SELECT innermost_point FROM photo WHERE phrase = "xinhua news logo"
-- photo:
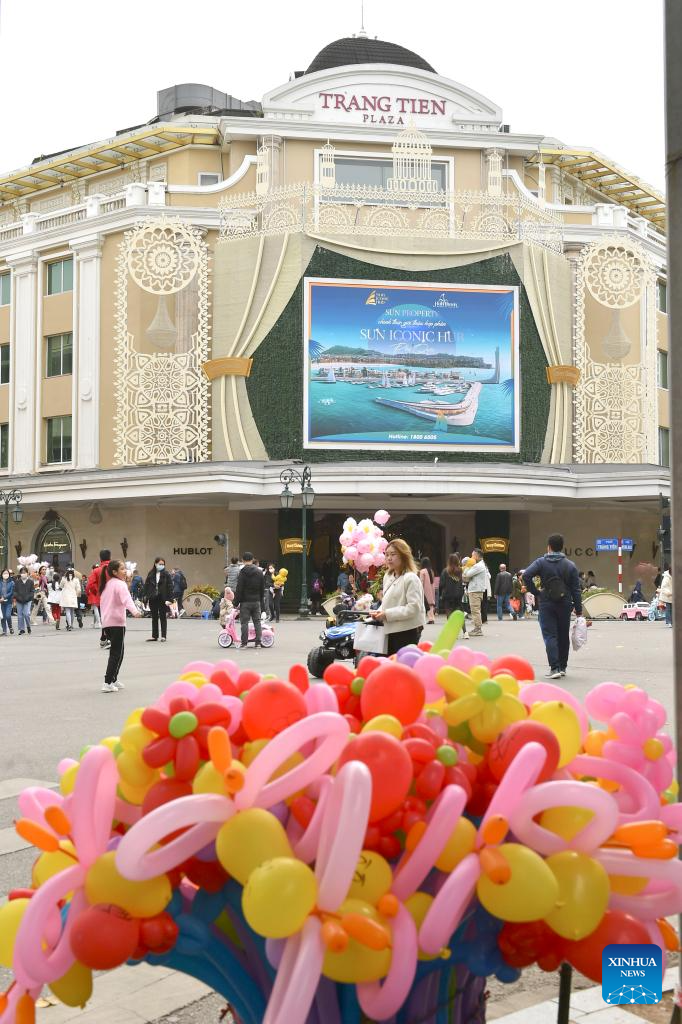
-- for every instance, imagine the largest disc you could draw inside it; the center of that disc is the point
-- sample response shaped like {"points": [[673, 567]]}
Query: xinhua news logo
{"points": [[632, 974]]}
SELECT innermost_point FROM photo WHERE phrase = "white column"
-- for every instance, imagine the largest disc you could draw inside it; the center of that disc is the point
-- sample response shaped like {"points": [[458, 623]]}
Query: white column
{"points": [[86, 411], [24, 365]]}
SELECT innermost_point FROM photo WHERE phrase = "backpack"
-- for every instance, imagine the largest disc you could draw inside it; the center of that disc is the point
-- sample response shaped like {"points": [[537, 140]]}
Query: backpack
{"points": [[555, 587]]}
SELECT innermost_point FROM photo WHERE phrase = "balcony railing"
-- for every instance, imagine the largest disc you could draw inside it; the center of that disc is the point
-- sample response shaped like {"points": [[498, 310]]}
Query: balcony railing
{"points": [[363, 210]]}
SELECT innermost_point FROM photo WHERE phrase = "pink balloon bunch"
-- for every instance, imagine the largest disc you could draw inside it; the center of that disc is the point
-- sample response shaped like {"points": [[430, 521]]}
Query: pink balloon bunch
{"points": [[363, 544]]}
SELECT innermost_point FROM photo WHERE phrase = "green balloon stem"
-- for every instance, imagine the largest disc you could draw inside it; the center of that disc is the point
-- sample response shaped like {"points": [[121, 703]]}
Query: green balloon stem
{"points": [[357, 685], [447, 637]]}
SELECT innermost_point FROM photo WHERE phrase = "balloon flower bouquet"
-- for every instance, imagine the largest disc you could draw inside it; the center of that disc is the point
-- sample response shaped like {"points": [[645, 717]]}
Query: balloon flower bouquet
{"points": [[370, 847], [363, 544]]}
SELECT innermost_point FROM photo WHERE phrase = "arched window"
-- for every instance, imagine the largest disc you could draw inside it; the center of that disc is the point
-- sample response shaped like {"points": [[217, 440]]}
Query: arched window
{"points": [[53, 545]]}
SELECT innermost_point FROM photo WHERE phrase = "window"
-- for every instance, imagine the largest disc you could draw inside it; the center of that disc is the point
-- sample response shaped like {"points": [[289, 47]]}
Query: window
{"points": [[4, 445], [60, 276], [662, 296], [59, 439], [662, 369], [59, 355], [663, 446], [4, 364], [206, 178], [5, 289], [352, 170]]}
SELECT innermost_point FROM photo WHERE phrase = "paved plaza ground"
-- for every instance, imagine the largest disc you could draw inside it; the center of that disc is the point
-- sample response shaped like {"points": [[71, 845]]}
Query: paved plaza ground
{"points": [[52, 706]]}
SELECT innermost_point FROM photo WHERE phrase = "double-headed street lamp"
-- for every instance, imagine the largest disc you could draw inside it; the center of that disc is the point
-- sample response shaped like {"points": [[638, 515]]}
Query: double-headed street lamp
{"points": [[6, 499], [303, 478]]}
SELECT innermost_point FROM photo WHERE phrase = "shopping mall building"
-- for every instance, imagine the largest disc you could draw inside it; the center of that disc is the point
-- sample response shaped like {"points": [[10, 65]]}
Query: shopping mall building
{"points": [[368, 271]]}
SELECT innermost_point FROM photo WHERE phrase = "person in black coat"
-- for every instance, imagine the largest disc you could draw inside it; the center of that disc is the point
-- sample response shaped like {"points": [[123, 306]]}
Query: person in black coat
{"points": [[158, 588], [250, 598]]}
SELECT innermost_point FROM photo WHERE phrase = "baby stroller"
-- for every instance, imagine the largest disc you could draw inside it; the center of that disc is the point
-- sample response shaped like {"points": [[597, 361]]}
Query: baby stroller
{"points": [[229, 635]]}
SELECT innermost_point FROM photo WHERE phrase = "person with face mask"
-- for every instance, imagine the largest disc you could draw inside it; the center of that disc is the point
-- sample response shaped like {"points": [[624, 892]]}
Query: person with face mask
{"points": [[24, 589], [71, 590], [6, 598], [158, 588]]}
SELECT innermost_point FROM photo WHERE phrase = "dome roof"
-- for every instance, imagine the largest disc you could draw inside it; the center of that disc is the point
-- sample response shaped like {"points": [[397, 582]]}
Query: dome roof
{"points": [[362, 50]]}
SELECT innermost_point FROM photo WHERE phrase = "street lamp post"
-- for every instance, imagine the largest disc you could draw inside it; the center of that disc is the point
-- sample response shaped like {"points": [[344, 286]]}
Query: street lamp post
{"points": [[6, 499], [303, 478]]}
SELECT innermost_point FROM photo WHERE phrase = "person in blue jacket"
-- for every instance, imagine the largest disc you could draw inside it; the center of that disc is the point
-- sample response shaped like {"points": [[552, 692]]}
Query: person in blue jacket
{"points": [[558, 594], [6, 596]]}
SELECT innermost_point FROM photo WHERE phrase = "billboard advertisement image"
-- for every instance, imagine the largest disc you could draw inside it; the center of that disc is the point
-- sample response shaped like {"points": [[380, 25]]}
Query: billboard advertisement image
{"points": [[395, 365]]}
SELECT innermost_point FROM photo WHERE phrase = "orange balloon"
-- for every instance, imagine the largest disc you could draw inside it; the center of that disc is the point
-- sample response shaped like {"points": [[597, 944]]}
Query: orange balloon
{"points": [[670, 937], [26, 1010], [366, 931], [334, 937], [36, 835], [220, 749], [269, 707], [57, 820], [393, 689], [494, 865]]}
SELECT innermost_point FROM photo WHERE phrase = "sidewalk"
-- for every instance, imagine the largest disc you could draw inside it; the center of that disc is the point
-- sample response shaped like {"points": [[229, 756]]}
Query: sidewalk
{"points": [[587, 1007]]}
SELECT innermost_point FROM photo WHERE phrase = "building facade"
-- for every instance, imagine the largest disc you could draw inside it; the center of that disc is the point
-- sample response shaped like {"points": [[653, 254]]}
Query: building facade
{"points": [[368, 271]]}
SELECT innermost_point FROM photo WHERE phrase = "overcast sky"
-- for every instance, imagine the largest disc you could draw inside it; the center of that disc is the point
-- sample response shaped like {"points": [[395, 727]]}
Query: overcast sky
{"points": [[589, 72]]}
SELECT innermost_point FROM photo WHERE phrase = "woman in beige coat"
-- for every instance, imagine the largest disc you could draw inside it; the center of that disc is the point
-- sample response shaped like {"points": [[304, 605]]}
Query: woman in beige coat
{"points": [[68, 600], [402, 603]]}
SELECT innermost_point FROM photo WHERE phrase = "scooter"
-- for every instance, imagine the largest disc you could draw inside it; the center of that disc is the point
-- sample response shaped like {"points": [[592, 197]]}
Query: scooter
{"points": [[229, 635]]}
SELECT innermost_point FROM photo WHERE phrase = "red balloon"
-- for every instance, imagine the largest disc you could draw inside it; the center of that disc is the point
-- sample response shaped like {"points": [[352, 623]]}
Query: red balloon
{"points": [[206, 874], [247, 679], [530, 942], [521, 669], [104, 937], [393, 689], [430, 780], [212, 713], [368, 665], [270, 707], [615, 927], [298, 676], [222, 679], [162, 792], [338, 674], [159, 933], [159, 752], [512, 739], [390, 766], [186, 758]]}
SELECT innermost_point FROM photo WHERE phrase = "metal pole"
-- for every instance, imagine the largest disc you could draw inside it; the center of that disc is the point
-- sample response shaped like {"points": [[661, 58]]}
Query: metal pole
{"points": [[673, 96], [304, 611], [620, 565], [5, 531], [565, 979]]}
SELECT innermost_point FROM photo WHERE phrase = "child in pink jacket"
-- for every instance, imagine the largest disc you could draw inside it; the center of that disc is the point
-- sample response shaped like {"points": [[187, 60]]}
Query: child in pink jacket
{"points": [[114, 601]]}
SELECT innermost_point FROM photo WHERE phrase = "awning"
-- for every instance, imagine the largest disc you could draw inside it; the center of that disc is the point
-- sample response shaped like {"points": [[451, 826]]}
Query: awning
{"points": [[126, 148], [605, 177]]}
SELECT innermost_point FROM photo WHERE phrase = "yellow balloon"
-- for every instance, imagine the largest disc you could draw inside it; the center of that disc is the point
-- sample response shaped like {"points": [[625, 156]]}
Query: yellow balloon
{"points": [[566, 821], [531, 892], [358, 963], [10, 918], [134, 717], [461, 842], [279, 896], [110, 742], [132, 794], [197, 679], [384, 723], [209, 780], [136, 737], [249, 839], [75, 987], [372, 879], [583, 894], [133, 770], [104, 884], [49, 864], [252, 749], [627, 885], [68, 780], [563, 722], [418, 906]]}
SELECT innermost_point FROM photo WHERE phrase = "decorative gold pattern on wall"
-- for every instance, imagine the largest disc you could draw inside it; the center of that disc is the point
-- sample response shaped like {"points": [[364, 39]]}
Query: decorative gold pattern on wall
{"points": [[615, 400], [162, 413]]}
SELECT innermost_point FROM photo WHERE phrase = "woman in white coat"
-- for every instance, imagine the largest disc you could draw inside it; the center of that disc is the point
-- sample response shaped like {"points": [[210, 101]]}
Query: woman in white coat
{"points": [[71, 590], [402, 604], [666, 594]]}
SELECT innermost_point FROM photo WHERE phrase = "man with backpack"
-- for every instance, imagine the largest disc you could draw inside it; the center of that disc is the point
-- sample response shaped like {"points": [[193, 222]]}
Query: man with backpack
{"points": [[558, 594]]}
